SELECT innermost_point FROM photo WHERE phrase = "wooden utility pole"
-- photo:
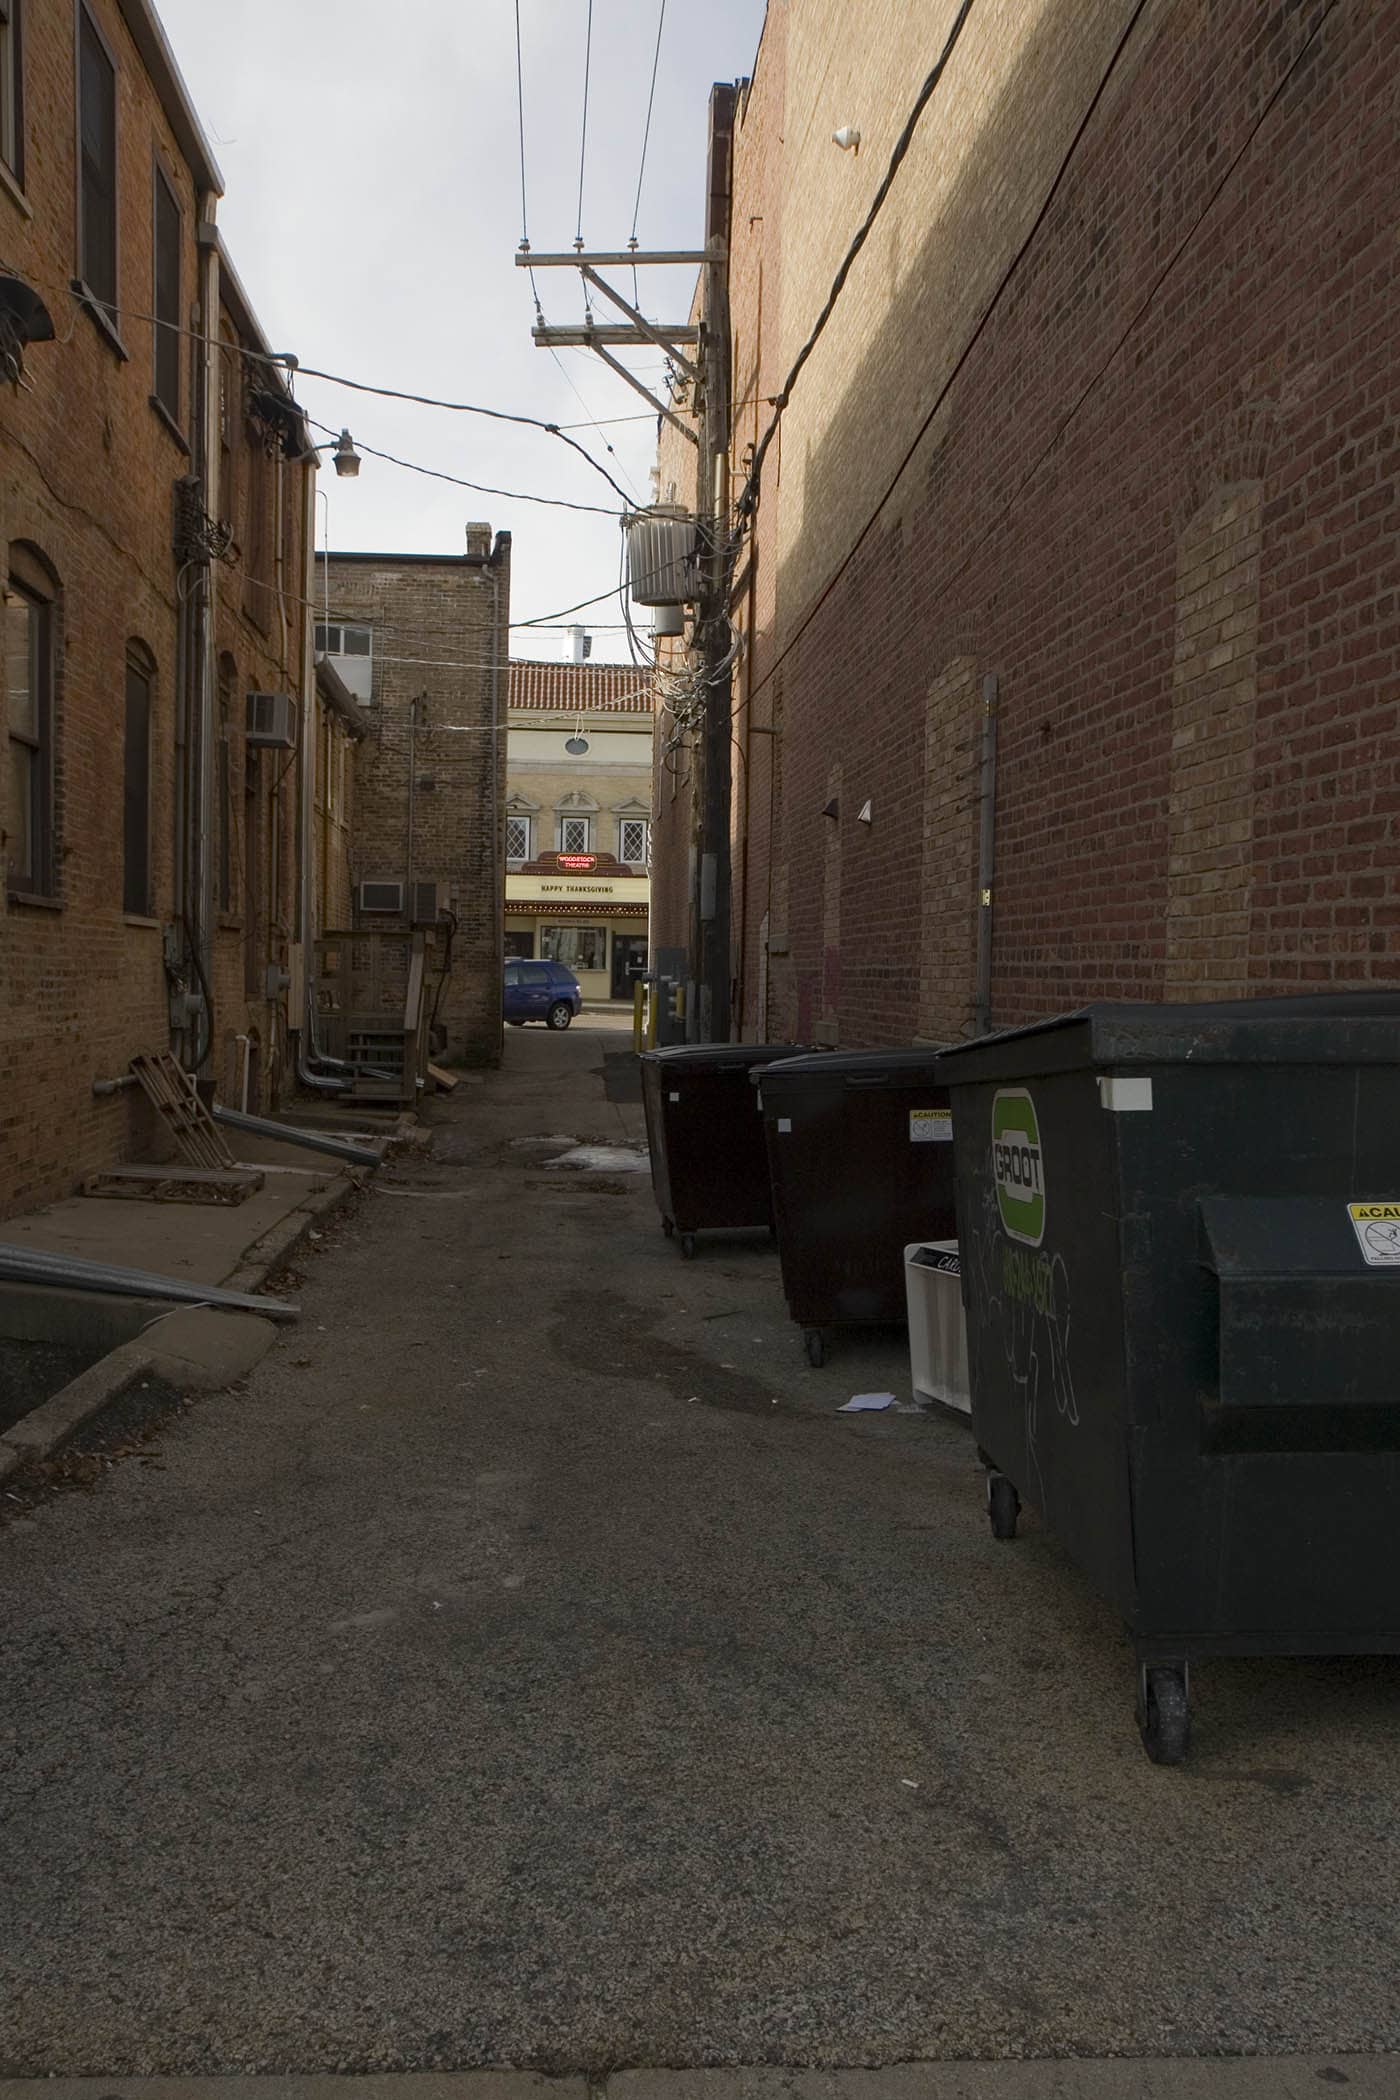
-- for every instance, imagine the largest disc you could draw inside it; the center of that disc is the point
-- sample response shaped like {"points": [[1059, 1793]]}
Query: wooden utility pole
{"points": [[707, 1014]]}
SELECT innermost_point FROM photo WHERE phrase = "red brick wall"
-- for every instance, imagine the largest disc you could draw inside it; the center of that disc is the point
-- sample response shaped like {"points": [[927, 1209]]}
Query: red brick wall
{"points": [[1192, 795], [88, 469], [86, 474]]}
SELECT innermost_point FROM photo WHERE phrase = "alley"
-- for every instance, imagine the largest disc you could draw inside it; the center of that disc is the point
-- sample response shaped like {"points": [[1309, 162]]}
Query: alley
{"points": [[529, 1667]]}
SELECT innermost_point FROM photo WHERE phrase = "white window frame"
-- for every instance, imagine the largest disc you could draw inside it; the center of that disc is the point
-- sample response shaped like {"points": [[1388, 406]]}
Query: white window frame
{"points": [[517, 817], [564, 823], [330, 642], [642, 860]]}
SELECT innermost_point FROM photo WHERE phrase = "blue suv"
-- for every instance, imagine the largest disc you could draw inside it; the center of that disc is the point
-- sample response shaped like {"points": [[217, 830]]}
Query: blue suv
{"points": [[541, 991]]}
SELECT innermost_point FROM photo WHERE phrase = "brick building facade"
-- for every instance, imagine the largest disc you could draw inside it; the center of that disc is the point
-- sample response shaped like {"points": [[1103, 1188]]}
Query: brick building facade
{"points": [[1100, 436], [153, 526], [422, 639]]}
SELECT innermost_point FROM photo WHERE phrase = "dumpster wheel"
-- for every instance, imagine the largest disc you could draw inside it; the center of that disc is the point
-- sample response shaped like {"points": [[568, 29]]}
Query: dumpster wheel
{"points": [[1003, 1505], [814, 1342], [688, 1246], [668, 1226], [1164, 1713]]}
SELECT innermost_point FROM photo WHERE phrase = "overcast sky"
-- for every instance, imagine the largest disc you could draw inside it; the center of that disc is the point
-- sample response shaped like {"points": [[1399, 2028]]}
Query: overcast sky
{"points": [[371, 162]]}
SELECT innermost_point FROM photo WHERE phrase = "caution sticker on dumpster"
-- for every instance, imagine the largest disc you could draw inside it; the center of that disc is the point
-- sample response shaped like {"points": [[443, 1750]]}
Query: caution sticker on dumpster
{"points": [[1377, 1227], [930, 1126], [1017, 1167]]}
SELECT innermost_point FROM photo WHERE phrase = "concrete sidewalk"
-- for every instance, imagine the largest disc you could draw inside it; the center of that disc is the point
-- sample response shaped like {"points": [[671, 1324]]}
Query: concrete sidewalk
{"points": [[189, 1348]]}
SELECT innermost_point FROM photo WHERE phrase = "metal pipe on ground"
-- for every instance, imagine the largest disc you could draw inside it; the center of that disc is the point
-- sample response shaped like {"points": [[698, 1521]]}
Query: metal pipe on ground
{"points": [[288, 1134], [72, 1272]]}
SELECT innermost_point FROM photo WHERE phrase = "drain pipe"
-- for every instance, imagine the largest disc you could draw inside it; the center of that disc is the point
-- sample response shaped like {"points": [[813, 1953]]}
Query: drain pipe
{"points": [[986, 855], [308, 1049]]}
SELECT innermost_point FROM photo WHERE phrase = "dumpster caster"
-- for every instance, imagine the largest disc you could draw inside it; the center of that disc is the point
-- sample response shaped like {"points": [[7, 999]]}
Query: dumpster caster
{"points": [[1003, 1506], [815, 1345], [1164, 1714], [668, 1226], [688, 1245]]}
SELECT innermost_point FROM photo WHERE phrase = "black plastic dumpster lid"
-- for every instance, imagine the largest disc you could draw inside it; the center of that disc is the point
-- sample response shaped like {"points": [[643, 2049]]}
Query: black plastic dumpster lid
{"points": [[716, 1057], [862, 1068], [1315, 1028]]}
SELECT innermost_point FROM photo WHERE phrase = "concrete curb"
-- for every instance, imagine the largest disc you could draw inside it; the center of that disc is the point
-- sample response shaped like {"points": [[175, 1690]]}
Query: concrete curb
{"points": [[196, 1348], [1119, 2078], [281, 1241]]}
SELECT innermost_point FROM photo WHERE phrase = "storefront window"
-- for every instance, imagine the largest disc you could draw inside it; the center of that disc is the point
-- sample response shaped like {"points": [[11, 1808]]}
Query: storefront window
{"points": [[580, 947]]}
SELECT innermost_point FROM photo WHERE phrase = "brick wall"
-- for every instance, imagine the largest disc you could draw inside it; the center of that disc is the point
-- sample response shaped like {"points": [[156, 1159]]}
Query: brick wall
{"points": [[1127, 316], [428, 796]]}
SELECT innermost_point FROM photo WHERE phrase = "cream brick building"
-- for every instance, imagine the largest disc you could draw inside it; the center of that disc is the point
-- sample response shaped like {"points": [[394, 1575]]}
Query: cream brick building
{"points": [[578, 819]]}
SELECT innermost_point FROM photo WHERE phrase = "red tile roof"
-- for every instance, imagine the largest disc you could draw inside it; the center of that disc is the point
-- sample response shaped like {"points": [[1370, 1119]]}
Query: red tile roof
{"points": [[569, 688]]}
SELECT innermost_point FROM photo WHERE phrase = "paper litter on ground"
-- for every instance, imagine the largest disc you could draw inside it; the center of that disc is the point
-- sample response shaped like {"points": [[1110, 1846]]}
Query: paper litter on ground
{"points": [[866, 1403]]}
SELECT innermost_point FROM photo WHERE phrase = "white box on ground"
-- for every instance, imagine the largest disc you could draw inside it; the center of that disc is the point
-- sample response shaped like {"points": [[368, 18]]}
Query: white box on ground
{"points": [[937, 1324]]}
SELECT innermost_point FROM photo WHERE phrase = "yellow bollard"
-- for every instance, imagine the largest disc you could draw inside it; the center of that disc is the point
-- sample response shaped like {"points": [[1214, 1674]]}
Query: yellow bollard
{"points": [[639, 992], [653, 1012]]}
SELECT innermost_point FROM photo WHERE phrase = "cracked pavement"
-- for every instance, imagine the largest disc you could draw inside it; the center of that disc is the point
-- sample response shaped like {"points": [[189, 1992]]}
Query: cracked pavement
{"points": [[528, 1667]]}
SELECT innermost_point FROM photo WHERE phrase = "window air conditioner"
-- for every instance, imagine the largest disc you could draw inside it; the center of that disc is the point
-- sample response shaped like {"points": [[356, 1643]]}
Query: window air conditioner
{"points": [[271, 721], [429, 899], [381, 897]]}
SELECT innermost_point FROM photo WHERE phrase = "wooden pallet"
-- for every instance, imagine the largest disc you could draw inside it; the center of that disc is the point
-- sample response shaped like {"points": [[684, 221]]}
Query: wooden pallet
{"points": [[170, 1091], [172, 1184]]}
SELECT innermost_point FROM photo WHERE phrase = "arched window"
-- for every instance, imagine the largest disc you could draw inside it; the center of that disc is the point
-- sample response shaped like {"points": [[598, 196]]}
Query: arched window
{"points": [[136, 797], [30, 602]]}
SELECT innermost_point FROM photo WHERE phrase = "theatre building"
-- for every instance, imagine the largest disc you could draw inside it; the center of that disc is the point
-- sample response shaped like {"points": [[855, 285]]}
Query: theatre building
{"points": [[578, 820]]}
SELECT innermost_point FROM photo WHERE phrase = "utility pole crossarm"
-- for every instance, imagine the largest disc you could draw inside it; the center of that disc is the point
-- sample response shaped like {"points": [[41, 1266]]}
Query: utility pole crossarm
{"points": [[588, 335], [622, 259], [657, 335], [646, 393]]}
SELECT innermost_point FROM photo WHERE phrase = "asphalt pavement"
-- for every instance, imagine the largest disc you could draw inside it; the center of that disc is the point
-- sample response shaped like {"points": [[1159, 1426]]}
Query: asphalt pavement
{"points": [[528, 1667]]}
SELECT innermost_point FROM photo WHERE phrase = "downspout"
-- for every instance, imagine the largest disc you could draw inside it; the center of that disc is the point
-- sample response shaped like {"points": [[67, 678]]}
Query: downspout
{"points": [[986, 855], [200, 899], [307, 1046], [497, 864]]}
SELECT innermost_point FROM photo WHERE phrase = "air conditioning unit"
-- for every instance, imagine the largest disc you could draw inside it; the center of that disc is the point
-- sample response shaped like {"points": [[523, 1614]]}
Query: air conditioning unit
{"points": [[272, 722], [428, 901], [381, 897]]}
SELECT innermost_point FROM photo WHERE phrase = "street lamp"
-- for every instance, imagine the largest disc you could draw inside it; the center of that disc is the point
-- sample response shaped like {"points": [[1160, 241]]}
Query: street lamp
{"points": [[342, 451]]}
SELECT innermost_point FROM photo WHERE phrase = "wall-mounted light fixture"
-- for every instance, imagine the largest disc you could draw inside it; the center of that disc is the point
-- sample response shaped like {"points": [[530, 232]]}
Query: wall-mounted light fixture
{"points": [[833, 809], [342, 451], [865, 814], [847, 138]]}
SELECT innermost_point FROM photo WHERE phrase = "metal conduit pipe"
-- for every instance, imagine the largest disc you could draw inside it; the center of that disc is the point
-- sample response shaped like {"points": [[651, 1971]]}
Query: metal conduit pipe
{"points": [[103, 1087], [71, 1272], [288, 1134]]}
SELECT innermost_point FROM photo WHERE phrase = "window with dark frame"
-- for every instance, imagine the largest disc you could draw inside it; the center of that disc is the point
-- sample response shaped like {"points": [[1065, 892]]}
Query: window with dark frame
{"points": [[136, 788], [11, 89], [166, 230], [28, 808], [97, 167]]}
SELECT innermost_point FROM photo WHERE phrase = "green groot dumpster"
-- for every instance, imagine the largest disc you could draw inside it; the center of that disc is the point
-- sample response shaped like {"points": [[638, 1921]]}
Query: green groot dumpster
{"points": [[1180, 1238], [709, 1168]]}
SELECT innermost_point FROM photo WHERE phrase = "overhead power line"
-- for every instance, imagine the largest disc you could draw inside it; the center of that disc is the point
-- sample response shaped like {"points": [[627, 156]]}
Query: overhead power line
{"points": [[482, 488], [749, 497], [583, 129], [646, 135]]}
